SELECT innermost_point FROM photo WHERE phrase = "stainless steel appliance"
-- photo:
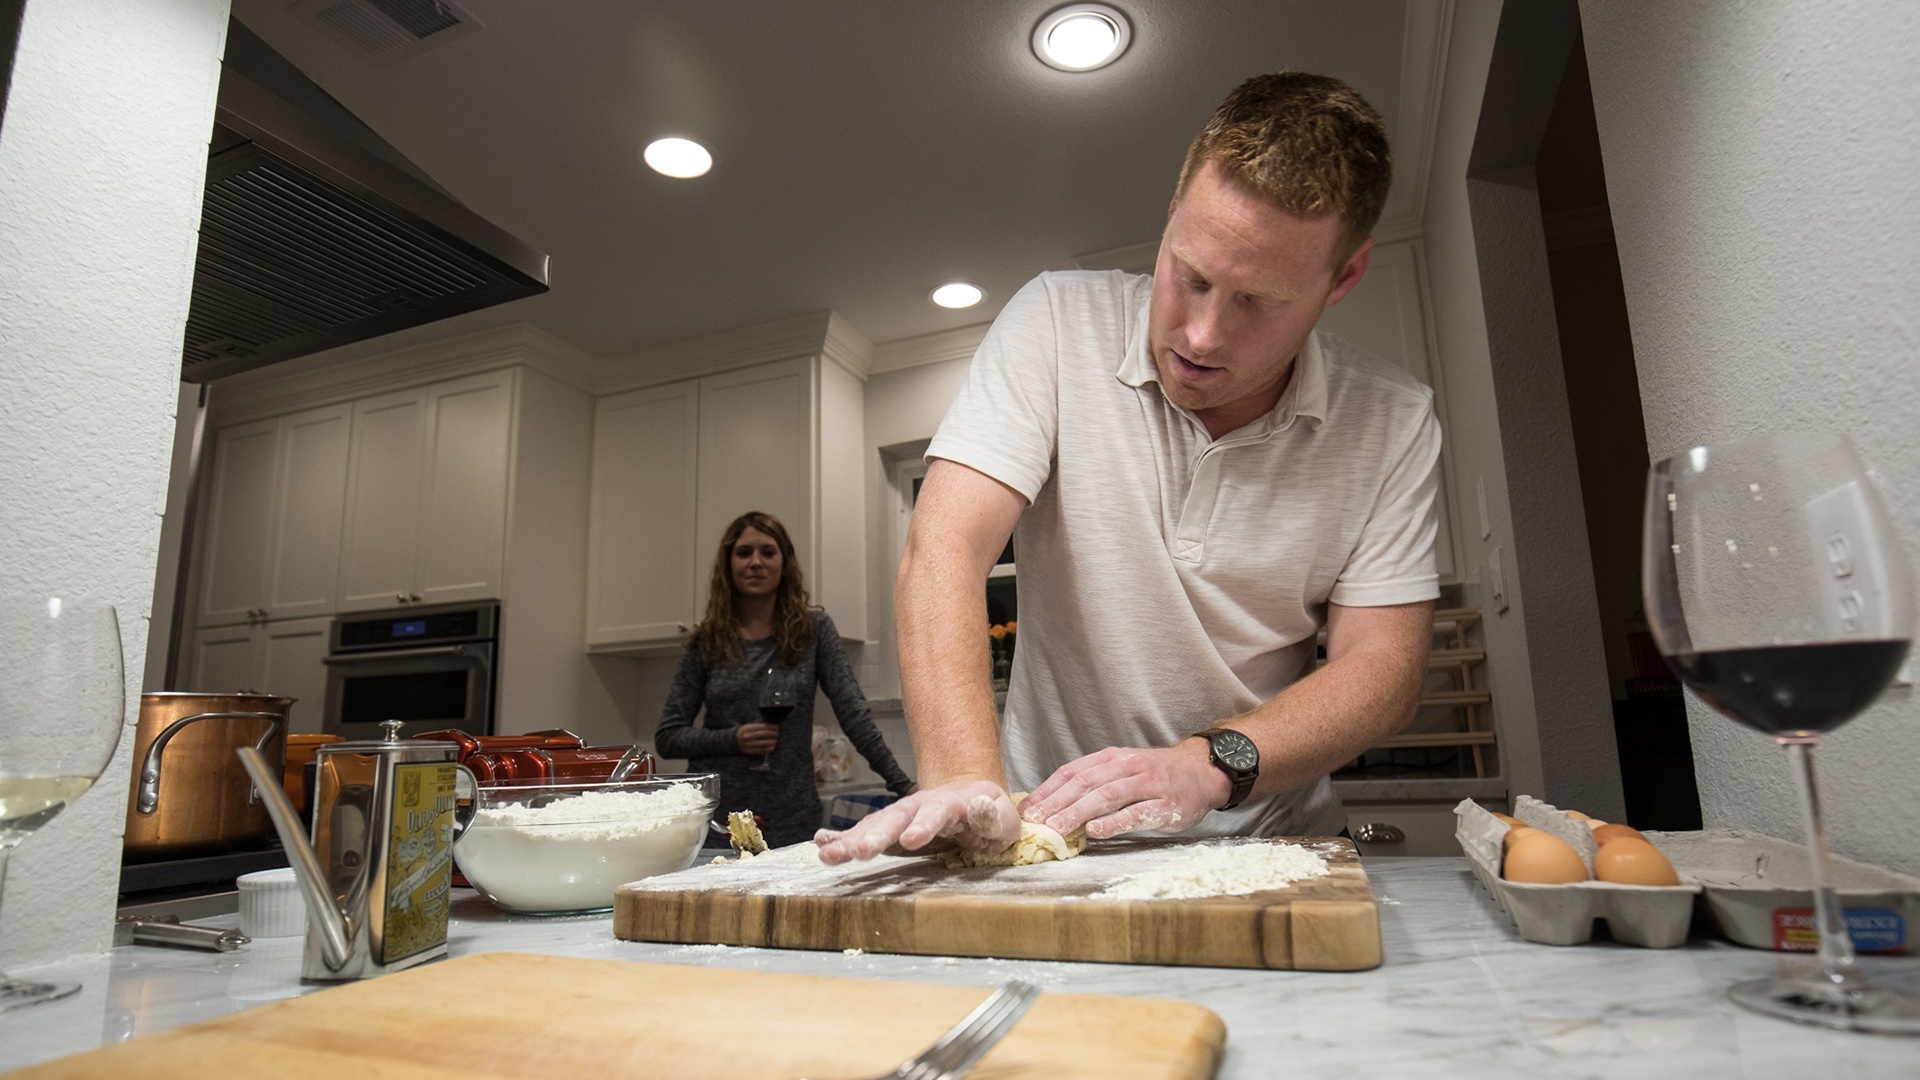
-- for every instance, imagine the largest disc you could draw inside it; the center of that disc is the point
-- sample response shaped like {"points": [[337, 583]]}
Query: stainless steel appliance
{"points": [[424, 665]]}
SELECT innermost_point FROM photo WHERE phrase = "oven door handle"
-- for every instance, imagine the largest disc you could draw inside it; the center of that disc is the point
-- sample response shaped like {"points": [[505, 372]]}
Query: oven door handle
{"points": [[398, 654]]}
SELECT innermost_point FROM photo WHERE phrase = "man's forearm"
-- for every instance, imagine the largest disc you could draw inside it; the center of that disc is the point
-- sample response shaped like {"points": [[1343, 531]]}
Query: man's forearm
{"points": [[945, 673], [1334, 714]]}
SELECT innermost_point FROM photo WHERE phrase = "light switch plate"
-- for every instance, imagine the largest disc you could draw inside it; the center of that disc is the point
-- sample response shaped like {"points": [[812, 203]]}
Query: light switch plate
{"points": [[1497, 578]]}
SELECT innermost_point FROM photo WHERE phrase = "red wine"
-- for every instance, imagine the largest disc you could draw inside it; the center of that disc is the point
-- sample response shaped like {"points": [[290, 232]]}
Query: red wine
{"points": [[1783, 689], [773, 714]]}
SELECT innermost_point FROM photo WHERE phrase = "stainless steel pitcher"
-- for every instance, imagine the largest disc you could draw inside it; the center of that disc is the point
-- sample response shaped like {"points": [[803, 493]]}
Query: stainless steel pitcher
{"points": [[377, 876]]}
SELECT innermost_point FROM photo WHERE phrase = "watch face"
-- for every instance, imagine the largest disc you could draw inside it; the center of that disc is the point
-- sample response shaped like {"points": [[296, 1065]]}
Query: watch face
{"points": [[1235, 751]]}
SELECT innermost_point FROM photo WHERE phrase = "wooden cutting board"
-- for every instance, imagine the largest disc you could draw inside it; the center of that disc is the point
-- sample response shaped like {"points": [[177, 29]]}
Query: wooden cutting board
{"points": [[1051, 911], [511, 1016]]}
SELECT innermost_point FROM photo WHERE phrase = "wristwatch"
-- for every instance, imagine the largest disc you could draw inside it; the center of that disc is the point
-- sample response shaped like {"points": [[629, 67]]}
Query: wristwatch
{"points": [[1234, 754]]}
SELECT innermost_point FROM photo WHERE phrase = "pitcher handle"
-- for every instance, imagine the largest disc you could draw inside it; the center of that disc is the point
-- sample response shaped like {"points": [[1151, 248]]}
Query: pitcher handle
{"points": [[149, 799]]}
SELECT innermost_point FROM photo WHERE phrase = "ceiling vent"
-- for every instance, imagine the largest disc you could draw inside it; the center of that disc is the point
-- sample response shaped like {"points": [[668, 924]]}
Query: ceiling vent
{"points": [[386, 32]]}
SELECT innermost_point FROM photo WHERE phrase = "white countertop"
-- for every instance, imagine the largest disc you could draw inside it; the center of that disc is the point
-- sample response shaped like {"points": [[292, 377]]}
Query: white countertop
{"points": [[1459, 995]]}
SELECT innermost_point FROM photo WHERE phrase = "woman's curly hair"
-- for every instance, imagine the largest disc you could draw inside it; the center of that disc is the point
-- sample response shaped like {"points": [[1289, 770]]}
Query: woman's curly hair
{"points": [[719, 633]]}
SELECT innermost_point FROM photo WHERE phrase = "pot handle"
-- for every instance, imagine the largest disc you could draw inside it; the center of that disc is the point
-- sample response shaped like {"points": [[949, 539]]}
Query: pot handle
{"points": [[149, 799]]}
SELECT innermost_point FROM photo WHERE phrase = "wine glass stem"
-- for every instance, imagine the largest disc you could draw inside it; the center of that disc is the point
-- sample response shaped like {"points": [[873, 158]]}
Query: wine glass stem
{"points": [[1836, 945]]}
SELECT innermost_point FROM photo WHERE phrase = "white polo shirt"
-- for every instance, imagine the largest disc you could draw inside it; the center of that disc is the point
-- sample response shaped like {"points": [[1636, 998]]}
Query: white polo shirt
{"points": [[1169, 580]]}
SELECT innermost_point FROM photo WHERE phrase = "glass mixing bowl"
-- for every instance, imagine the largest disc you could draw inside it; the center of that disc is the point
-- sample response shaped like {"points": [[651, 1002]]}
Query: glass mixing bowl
{"points": [[556, 848]]}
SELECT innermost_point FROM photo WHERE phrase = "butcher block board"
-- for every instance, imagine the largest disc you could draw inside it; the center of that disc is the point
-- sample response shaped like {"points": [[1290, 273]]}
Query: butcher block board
{"points": [[512, 1016], [788, 899]]}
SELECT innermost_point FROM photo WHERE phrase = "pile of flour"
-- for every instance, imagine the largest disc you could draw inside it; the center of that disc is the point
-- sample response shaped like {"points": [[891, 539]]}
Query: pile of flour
{"points": [[1222, 870], [599, 815], [572, 853]]}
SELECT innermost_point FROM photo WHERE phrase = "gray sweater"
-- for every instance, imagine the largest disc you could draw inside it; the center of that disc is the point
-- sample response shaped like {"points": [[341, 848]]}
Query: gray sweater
{"points": [[786, 798]]}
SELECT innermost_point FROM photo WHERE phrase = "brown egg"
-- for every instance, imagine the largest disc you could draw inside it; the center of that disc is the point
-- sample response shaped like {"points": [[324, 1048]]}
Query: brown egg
{"points": [[1508, 818], [1603, 832], [1594, 823], [1631, 860], [1575, 814], [1515, 832], [1543, 859]]}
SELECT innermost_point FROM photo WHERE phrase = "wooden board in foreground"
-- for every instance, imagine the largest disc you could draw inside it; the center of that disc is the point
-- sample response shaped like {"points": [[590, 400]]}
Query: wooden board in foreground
{"points": [[1051, 911], [517, 1017]]}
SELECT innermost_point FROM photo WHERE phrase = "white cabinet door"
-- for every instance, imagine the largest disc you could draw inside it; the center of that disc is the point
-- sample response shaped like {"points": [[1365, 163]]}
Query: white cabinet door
{"points": [[756, 453], [463, 521], [292, 663], [380, 544], [312, 495], [642, 560], [224, 660], [235, 556]]}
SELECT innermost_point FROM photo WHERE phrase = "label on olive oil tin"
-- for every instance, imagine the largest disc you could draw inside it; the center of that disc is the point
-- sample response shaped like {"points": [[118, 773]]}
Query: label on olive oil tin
{"points": [[419, 859]]}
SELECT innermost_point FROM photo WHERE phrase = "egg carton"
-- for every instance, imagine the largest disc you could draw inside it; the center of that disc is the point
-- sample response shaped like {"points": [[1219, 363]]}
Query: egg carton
{"points": [[1758, 889], [1653, 916]]}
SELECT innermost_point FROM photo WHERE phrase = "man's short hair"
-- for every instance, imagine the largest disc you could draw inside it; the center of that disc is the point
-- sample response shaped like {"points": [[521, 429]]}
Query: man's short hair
{"points": [[1308, 143]]}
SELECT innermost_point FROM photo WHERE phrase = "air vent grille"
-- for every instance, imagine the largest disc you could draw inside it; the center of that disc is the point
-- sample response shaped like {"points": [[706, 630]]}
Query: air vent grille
{"points": [[289, 263], [387, 31]]}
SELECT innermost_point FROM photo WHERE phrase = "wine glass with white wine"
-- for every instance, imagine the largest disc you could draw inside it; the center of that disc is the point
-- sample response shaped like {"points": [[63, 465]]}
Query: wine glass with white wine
{"points": [[62, 706], [1778, 593]]}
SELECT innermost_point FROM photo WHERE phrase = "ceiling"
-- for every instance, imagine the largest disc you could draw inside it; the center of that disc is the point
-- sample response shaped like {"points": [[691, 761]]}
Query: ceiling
{"points": [[865, 150]]}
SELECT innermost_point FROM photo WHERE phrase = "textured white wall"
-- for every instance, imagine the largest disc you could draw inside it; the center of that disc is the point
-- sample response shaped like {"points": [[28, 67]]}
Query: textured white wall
{"points": [[102, 157], [1761, 165]]}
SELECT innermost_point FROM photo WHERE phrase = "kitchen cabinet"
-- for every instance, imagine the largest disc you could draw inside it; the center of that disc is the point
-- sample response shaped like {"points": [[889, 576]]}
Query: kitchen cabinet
{"points": [[273, 522], [426, 499], [284, 657], [674, 464], [641, 513]]}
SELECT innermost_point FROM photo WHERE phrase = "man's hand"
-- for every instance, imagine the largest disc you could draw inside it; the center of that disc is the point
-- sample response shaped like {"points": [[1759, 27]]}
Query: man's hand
{"points": [[972, 813], [1119, 790], [757, 738]]}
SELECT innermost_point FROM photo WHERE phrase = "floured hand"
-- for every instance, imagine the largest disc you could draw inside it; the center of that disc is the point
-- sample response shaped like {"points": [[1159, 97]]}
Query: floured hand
{"points": [[973, 814], [1121, 790]]}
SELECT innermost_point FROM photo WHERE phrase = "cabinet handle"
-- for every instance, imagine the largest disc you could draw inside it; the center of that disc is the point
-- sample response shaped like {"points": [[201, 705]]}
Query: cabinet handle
{"points": [[680, 626], [415, 597], [1375, 832], [399, 598]]}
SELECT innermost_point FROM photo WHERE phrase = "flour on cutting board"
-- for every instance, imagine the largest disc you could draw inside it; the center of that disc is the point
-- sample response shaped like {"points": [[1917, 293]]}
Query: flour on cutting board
{"points": [[1112, 870], [1222, 870]]}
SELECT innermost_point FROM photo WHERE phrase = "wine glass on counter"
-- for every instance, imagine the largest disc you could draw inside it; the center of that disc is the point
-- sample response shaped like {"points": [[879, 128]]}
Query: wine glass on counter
{"points": [[778, 696], [62, 706], [1778, 593]]}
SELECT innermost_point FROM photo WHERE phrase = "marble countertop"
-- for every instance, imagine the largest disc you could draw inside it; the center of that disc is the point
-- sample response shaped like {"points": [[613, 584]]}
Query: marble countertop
{"points": [[1460, 995]]}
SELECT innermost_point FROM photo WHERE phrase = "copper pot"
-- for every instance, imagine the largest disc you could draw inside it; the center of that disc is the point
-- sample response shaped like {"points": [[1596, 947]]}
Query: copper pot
{"points": [[190, 794]]}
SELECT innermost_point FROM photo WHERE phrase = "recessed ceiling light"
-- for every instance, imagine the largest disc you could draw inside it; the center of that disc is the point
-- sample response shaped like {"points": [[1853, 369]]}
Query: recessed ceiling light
{"points": [[1081, 37], [957, 294], [678, 158]]}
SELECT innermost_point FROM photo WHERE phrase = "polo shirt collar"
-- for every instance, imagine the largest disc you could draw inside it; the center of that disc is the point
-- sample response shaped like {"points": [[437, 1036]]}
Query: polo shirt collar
{"points": [[1306, 393]]}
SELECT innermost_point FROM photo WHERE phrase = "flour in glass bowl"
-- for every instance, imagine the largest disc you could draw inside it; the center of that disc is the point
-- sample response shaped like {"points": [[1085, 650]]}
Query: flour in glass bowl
{"points": [[1222, 870], [570, 854]]}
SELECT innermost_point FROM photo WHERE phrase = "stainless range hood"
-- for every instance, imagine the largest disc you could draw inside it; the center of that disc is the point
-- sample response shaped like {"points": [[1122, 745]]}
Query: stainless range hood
{"points": [[315, 233]]}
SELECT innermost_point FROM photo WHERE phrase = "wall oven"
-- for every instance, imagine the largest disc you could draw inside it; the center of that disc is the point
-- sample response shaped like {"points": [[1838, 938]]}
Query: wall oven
{"points": [[430, 666]]}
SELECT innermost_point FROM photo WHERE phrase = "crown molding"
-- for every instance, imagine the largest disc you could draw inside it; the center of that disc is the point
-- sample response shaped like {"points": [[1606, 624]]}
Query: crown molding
{"points": [[318, 380], [957, 344], [847, 347], [782, 339]]}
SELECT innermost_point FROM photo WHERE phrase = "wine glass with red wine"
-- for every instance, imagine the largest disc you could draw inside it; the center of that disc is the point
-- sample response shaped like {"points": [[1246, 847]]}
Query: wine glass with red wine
{"points": [[778, 696], [1778, 593]]}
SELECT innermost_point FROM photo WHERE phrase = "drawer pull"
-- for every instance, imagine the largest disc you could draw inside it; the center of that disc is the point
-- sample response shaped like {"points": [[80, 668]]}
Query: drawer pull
{"points": [[1376, 832]]}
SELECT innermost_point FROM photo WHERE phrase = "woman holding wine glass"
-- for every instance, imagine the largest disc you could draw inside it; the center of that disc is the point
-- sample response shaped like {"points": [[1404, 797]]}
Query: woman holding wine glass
{"points": [[752, 665], [1778, 593]]}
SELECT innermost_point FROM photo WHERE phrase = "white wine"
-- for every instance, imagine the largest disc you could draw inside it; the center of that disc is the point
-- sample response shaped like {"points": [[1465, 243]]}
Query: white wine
{"points": [[28, 802]]}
